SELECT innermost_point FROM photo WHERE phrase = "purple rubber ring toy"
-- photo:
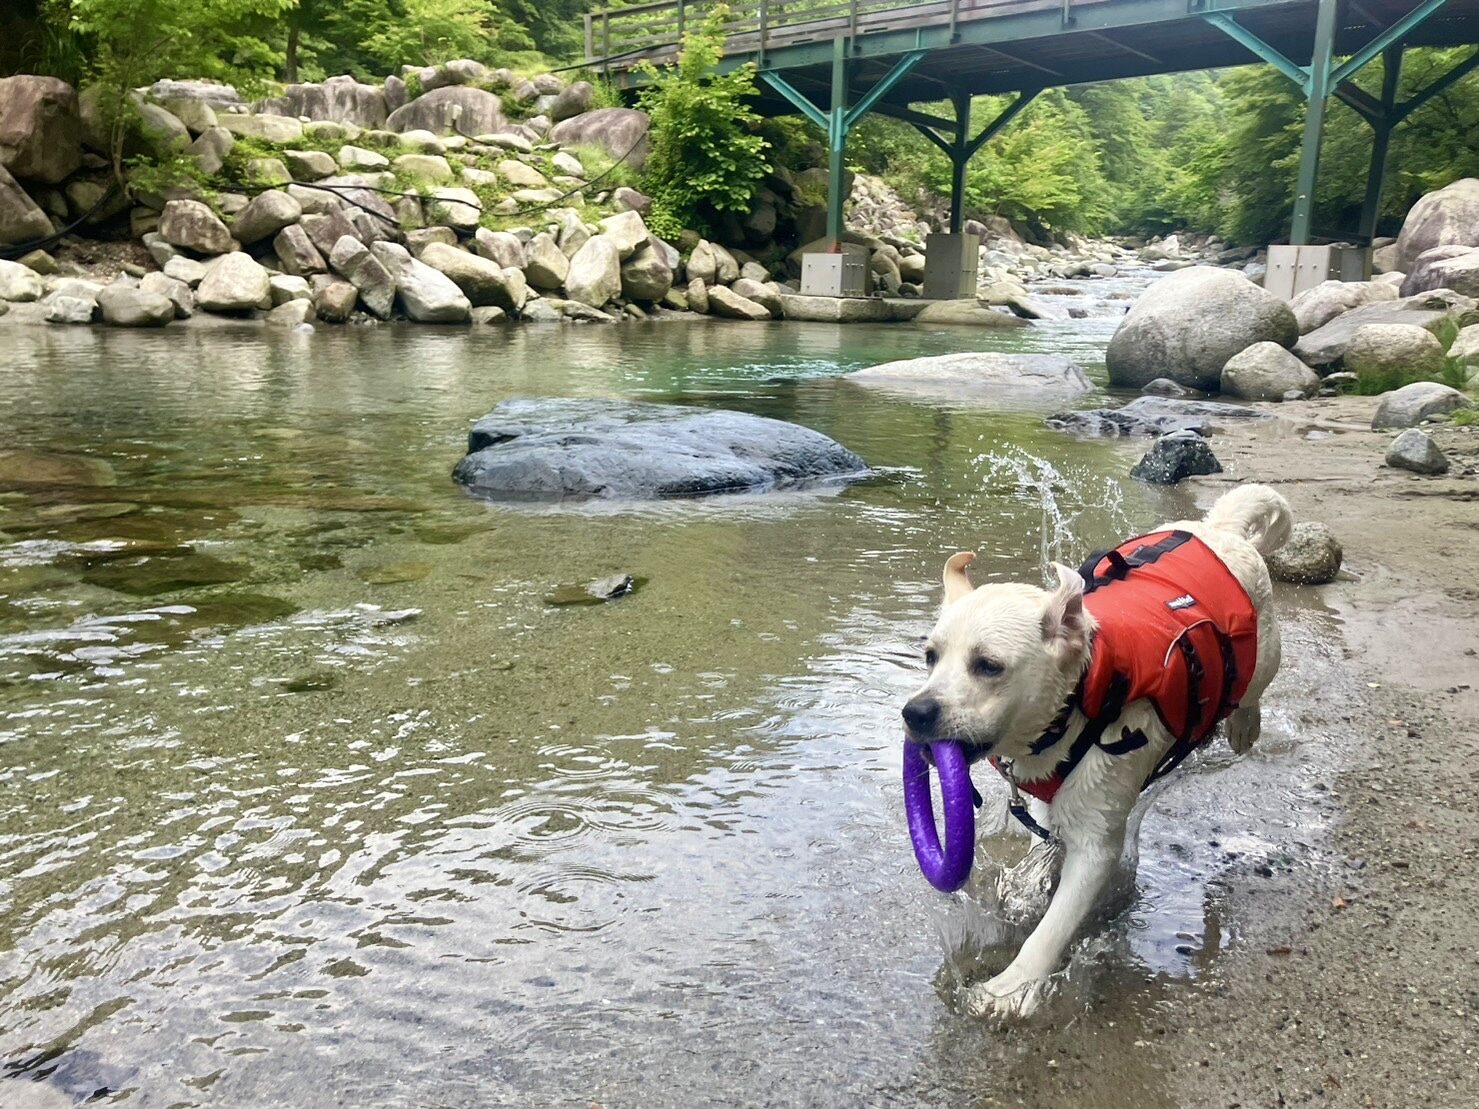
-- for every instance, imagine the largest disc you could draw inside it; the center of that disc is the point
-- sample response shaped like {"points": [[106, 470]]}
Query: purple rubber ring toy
{"points": [[945, 868]]}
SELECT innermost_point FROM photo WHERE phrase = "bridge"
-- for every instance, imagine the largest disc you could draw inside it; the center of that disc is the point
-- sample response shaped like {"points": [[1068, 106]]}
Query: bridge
{"points": [[836, 60]]}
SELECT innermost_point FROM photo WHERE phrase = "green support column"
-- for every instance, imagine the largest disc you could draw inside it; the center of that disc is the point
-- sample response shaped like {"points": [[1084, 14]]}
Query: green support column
{"points": [[836, 143], [1317, 92], [1390, 78], [960, 156]]}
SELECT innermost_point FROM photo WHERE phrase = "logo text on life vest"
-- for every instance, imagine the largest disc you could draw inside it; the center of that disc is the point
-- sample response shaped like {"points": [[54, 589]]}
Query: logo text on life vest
{"points": [[1186, 600]]}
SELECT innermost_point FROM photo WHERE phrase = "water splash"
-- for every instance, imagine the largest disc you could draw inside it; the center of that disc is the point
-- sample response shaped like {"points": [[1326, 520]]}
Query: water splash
{"points": [[1073, 500]]}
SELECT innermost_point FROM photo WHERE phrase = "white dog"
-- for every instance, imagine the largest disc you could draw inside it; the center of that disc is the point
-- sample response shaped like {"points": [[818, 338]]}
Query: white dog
{"points": [[1082, 700]]}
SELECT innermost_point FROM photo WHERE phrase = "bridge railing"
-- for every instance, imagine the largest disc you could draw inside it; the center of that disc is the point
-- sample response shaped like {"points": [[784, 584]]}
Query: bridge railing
{"points": [[622, 37]]}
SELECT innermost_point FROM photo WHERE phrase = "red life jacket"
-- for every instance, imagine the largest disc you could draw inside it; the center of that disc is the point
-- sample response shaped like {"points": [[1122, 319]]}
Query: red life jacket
{"points": [[1176, 628]]}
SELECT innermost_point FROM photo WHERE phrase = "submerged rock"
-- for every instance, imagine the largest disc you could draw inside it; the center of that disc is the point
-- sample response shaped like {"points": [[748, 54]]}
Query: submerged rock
{"points": [[1176, 456], [995, 378], [1153, 416], [552, 449], [1312, 556], [595, 592]]}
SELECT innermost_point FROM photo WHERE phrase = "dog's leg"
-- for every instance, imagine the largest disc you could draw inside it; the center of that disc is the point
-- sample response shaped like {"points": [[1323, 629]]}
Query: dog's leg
{"points": [[1243, 727], [1022, 987]]}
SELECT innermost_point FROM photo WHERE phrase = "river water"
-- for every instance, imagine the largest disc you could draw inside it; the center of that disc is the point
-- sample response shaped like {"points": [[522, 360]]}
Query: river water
{"points": [[308, 798]]}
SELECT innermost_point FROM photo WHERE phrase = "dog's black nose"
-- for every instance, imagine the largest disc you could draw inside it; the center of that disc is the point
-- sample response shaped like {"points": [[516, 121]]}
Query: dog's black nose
{"points": [[922, 714]]}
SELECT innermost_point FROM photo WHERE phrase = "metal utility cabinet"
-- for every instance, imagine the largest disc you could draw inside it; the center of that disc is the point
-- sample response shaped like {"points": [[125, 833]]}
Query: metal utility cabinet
{"points": [[1293, 269], [836, 275]]}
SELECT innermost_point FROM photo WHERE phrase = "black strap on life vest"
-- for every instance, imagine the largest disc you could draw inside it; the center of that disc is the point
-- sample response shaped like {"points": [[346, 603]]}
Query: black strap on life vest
{"points": [[1121, 565]]}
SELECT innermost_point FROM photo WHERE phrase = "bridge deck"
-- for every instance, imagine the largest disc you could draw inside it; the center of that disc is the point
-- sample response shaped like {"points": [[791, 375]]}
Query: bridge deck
{"points": [[997, 46]]}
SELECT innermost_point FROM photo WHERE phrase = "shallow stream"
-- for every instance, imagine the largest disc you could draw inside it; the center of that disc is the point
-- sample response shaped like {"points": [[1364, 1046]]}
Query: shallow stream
{"points": [[308, 798]]}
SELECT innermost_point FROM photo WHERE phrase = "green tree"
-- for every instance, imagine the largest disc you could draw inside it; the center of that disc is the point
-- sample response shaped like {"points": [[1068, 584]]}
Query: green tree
{"points": [[707, 155]]}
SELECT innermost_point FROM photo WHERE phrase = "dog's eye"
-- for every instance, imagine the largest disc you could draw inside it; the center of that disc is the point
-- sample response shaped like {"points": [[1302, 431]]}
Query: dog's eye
{"points": [[931, 656], [984, 667]]}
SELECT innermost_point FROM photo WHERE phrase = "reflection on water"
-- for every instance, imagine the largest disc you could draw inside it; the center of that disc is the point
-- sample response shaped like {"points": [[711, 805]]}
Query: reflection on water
{"points": [[311, 799]]}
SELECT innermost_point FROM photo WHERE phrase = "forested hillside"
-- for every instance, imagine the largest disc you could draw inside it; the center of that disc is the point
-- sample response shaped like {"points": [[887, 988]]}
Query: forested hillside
{"points": [[1209, 151]]}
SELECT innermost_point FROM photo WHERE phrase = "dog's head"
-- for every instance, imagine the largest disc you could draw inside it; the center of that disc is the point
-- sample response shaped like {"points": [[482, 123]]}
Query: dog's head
{"points": [[1002, 659]]}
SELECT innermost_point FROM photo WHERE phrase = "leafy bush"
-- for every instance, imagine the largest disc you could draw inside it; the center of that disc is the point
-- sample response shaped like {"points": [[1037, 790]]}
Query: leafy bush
{"points": [[707, 155]]}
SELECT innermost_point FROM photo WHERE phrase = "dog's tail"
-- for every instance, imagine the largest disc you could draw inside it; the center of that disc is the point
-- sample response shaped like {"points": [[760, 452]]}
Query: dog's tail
{"points": [[1257, 513]]}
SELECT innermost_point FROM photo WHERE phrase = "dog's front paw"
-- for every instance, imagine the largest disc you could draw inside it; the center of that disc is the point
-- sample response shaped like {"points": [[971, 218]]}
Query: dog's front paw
{"points": [[1006, 998]]}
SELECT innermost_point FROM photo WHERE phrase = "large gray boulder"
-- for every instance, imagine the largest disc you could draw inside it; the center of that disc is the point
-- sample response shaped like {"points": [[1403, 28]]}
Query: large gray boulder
{"points": [[265, 215], [339, 99], [193, 226], [147, 128], [235, 283], [620, 132], [1186, 327], [961, 313], [1014, 380], [594, 277], [1393, 352], [40, 129], [646, 275], [1447, 217], [297, 252], [629, 233], [123, 306], [1324, 348], [1415, 450], [475, 111], [19, 283], [1318, 306], [1154, 416], [1445, 267], [459, 71], [210, 148], [553, 449], [483, 282], [1412, 404], [427, 295], [179, 294], [501, 247], [21, 218], [352, 260], [1266, 371], [573, 101], [70, 310], [725, 302], [281, 130], [545, 263]]}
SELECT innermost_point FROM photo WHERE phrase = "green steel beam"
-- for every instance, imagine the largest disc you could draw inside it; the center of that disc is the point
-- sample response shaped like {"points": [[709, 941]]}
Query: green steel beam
{"points": [[899, 71], [1438, 87], [1391, 36], [1317, 94], [960, 157], [1009, 113], [1234, 30], [797, 99], [936, 138], [837, 143], [1391, 77], [908, 115], [1361, 102]]}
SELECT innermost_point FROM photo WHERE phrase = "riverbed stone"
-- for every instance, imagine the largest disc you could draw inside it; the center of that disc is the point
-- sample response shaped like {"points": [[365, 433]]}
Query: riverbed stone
{"points": [[967, 313], [356, 159], [453, 207], [1412, 404], [629, 233], [646, 275], [1444, 267], [476, 111], [296, 252], [291, 314], [335, 301], [1317, 306], [19, 283], [761, 294], [128, 307], [339, 99], [594, 277], [1311, 556], [40, 128], [1465, 346], [1154, 416], [1186, 327], [235, 283], [546, 265], [482, 281], [276, 129], [1015, 380], [188, 270], [1266, 371], [21, 218], [1393, 352], [427, 295], [1324, 348], [264, 216], [725, 302], [70, 310], [501, 247], [620, 132], [426, 168], [553, 449], [1174, 457], [1415, 450], [179, 293], [310, 165], [1445, 217], [192, 225], [285, 287]]}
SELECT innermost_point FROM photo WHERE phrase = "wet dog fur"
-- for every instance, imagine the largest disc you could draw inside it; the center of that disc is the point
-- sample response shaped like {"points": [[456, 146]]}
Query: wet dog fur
{"points": [[1003, 659]]}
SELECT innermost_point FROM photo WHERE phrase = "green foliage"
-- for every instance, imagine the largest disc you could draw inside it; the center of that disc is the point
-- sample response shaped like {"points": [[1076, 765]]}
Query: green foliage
{"points": [[1370, 382], [432, 31], [1465, 417], [1455, 373], [707, 154], [161, 176]]}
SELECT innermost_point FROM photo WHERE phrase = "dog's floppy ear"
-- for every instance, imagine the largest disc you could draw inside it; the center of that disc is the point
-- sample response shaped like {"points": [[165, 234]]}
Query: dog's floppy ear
{"points": [[1064, 622], [957, 581]]}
